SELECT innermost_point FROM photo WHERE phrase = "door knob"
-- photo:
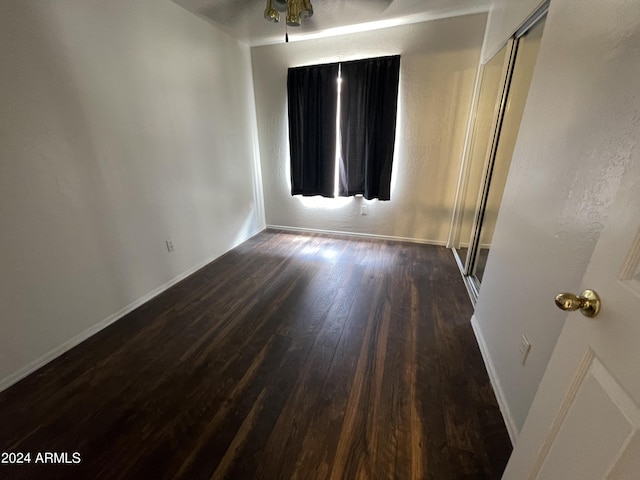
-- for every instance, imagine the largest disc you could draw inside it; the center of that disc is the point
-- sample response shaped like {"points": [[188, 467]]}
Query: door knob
{"points": [[588, 303]]}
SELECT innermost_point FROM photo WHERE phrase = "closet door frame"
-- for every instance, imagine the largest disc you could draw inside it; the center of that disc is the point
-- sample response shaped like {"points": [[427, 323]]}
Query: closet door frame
{"points": [[467, 267], [487, 169]]}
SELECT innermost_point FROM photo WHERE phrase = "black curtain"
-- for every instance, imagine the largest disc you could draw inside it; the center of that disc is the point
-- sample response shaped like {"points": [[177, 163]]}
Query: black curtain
{"points": [[369, 100], [313, 102]]}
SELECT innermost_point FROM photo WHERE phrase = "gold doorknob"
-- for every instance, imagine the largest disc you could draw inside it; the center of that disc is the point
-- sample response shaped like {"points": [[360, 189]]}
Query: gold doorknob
{"points": [[588, 303]]}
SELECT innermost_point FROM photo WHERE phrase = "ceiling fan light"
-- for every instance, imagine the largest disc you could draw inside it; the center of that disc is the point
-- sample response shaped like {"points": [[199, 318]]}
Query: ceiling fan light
{"points": [[293, 13], [307, 9], [297, 11], [270, 13]]}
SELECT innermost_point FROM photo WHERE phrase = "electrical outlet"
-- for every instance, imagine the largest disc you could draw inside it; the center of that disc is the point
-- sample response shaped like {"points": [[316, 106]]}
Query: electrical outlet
{"points": [[170, 245], [364, 210], [525, 347]]}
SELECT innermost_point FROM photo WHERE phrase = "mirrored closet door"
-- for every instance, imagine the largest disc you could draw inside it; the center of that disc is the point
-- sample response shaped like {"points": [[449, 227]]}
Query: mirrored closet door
{"points": [[501, 93]]}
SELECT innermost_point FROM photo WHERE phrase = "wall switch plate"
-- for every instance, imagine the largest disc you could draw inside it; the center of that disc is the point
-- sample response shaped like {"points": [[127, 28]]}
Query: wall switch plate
{"points": [[525, 347], [170, 245], [364, 210]]}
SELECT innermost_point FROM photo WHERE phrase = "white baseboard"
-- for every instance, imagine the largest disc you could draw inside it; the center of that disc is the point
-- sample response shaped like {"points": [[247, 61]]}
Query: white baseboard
{"points": [[362, 235], [15, 377], [495, 382]]}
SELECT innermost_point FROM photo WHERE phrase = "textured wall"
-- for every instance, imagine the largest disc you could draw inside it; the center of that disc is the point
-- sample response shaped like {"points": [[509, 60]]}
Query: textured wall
{"points": [[575, 139], [438, 69], [122, 124]]}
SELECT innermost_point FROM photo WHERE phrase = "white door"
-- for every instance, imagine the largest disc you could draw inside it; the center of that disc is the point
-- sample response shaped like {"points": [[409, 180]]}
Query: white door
{"points": [[585, 420]]}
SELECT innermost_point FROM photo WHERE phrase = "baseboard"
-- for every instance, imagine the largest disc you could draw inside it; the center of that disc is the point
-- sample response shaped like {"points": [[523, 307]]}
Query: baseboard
{"points": [[104, 323], [362, 235], [495, 382]]}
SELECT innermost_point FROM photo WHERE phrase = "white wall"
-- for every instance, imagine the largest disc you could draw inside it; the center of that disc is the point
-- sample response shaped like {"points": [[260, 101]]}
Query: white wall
{"points": [[122, 124], [556, 196], [438, 69]]}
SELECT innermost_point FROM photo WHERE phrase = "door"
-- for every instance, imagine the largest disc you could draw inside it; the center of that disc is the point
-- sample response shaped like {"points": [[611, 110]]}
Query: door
{"points": [[491, 83], [585, 420], [488, 96], [526, 54], [501, 96]]}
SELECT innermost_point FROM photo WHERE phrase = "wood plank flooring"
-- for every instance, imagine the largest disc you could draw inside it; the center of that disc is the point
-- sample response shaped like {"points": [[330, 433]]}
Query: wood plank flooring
{"points": [[290, 357]]}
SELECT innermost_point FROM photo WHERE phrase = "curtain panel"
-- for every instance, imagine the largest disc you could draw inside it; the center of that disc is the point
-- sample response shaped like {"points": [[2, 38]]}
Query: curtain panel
{"points": [[368, 105], [313, 102]]}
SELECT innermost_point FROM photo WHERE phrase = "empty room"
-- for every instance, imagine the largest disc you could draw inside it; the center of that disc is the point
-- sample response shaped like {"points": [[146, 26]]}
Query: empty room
{"points": [[319, 239]]}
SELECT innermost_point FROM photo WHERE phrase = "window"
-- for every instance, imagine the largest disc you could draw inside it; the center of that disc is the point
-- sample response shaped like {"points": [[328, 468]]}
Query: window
{"points": [[342, 122]]}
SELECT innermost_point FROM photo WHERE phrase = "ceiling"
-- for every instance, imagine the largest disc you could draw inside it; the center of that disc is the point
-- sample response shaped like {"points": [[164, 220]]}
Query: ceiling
{"points": [[244, 18]]}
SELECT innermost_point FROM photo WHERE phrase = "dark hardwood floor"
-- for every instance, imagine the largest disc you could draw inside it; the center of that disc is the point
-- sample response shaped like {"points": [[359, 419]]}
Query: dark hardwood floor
{"points": [[290, 357]]}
